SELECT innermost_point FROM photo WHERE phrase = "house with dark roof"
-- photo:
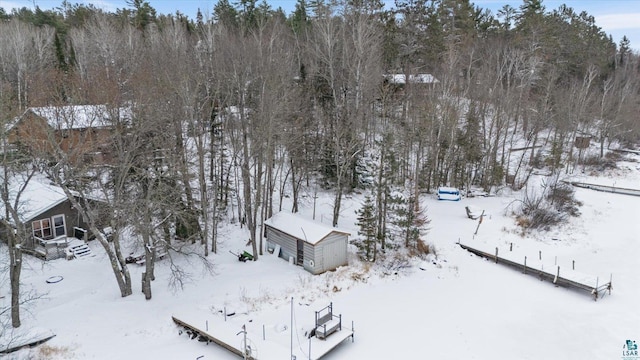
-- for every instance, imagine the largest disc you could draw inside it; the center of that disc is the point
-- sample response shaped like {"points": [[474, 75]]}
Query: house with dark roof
{"points": [[48, 217], [83, 132]]}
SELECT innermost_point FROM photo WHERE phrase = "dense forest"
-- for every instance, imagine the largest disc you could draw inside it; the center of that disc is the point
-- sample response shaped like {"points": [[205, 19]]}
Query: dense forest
{"points": [[228, 115]]}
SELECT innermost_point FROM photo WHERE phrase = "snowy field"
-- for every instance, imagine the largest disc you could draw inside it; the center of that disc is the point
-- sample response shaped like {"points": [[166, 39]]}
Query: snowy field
{"points": [[458, 306]]}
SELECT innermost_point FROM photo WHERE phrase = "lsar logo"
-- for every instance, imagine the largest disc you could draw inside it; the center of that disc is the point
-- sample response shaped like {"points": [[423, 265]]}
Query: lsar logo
{"points": [[630, 350]]}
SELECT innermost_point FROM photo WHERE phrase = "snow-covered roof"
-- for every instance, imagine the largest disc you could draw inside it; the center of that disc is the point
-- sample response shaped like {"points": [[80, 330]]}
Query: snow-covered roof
{"points": [[301, 228], [78, 116], [414, 79], [39, 196], [10, 124]]}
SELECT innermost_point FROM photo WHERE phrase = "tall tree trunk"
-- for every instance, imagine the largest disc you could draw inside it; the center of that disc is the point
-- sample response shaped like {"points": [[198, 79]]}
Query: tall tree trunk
{"points": [[379, 197], [202, 182], [214, 220], [336, 204], [147, 275], [149, 248], [295, 186], [15, 268], [184, 172], [246, 185], [116, 260], [13, 238], [259, 204]]}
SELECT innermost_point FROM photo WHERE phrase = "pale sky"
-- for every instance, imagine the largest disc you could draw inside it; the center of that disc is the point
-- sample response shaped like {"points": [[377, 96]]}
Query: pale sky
{"points": [[615, 17]]}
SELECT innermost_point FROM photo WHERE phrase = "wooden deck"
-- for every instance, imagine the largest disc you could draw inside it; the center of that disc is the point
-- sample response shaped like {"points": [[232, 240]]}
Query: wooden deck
{"points": [[568, 278], [229, 335]]}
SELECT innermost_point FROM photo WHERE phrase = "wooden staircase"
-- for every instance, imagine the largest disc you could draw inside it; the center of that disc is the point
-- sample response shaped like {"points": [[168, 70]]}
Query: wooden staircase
{"points": [[78, 249]]}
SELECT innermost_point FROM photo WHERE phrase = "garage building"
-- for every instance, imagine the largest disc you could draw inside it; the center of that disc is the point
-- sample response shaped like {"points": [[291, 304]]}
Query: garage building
{"points": [[314, 246]]}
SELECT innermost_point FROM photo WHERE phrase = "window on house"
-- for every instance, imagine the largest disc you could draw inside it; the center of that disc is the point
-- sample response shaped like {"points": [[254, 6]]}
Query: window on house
{"points": [[42, 228], [58, 226]]}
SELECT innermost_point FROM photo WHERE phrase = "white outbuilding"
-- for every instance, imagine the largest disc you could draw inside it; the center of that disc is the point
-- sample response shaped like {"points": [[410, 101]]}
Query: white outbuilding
{"points": [[312, 245]]}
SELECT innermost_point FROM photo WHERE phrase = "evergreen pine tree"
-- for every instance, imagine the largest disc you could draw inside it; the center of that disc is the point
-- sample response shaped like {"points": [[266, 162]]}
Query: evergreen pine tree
{"points": [[225, 14], [368, 226], [418, 224], [409, 220], [199, 19], [624, 50], [299, 20], [144, 14]]}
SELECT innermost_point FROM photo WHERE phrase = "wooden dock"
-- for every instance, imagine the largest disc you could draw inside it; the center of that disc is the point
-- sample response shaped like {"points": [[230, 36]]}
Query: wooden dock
{"points": [[229, 335], [209, 337], [605, 188], [567, 278], [27, 344], [628, 151]]}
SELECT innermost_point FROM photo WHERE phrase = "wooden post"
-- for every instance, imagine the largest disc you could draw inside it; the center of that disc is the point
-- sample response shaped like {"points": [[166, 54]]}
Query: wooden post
{"points": [[511, 247], [557, 275], [225, 314], [539, 254], [244, 334], [206, 325], [263, 335], [525, 264], [353, 331], [479, 222], [291, 325], [573, 265], [496, 255]]}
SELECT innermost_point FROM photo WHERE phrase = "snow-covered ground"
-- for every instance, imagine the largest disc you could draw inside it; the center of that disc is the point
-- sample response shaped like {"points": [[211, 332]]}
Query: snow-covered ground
{"points": [[450, 307]]}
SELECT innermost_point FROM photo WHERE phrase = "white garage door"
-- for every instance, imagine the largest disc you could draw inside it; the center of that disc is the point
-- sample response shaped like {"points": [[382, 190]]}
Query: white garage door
{"points": [[333, 254]]}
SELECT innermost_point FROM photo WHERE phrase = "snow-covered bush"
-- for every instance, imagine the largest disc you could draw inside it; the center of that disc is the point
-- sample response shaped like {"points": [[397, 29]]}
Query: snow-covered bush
{"points": [[551, 206], [561, 197]]}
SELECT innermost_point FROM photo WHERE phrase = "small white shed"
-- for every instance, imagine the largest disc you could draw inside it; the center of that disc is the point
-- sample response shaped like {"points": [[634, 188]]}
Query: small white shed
{"points": [[314, 246]]}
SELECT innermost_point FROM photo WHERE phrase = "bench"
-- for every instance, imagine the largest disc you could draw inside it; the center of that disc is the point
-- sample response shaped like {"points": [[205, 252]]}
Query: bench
{"points": [[327, 323], [328, 328]]}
